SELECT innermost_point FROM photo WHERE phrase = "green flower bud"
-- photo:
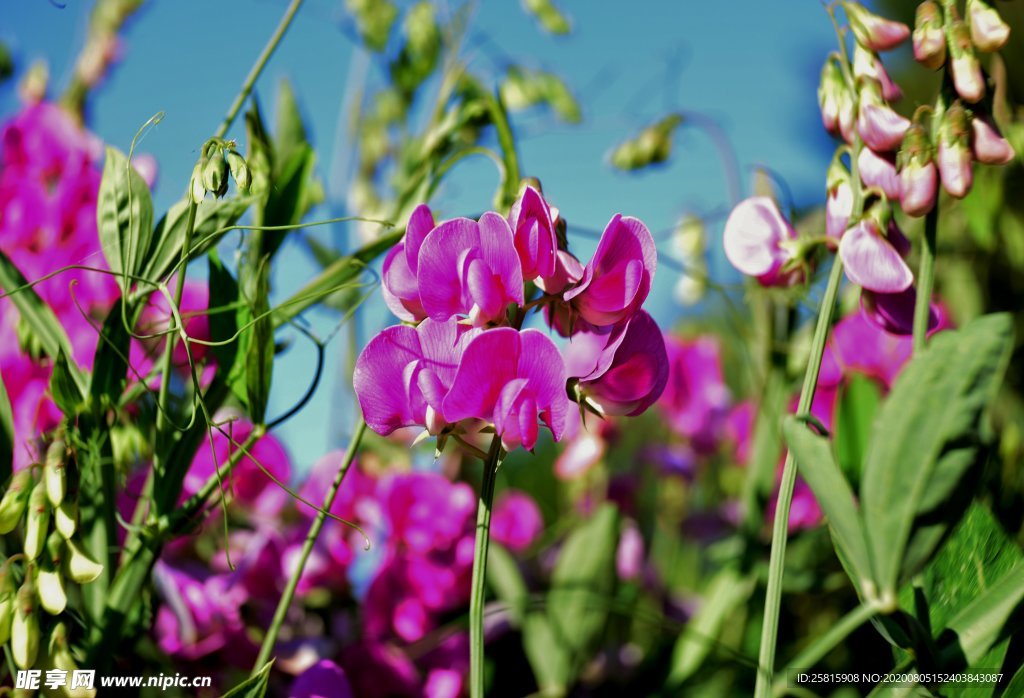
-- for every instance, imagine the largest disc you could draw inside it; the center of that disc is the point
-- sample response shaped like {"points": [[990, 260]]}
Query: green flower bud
{"points": [[25, 627], [54, 474], [61, 658], [196, 188], [239, 170], [215, 174], [37, 521], [7, 600], [12, 506], [79, 566], [50, 588], [65, 518]]}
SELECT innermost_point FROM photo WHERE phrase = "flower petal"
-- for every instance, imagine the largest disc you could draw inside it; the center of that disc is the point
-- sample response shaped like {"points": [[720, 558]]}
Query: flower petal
{"points": [[872, 262]]}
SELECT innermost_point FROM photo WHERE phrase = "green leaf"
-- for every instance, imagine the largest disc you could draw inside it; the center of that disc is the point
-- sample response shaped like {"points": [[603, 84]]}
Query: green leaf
{"points": [[651, 146], [724, 594], [1016, 685], [505, 580], [523, 88], [253, 687], [230, 314], [110, 367], [63, 387], [419, 54], [6, 433], [858, 403], [289, 131], [124, 217], [212, 216], [374, 19], [990, 618], [927, 436], [548, 656], [548, 15], [259, 359], [583, 581], [292, 196], [818, 467]]}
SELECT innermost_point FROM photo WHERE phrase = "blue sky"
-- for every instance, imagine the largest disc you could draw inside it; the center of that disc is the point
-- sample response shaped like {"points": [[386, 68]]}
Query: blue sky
{"points": [[750, 65]]}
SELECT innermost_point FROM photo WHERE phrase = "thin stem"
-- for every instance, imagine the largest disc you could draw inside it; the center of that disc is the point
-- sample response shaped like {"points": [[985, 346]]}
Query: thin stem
{"points": [[476, 599], [257, 68], [307, 548], [776, 563], [817, 650], [925, 279]]}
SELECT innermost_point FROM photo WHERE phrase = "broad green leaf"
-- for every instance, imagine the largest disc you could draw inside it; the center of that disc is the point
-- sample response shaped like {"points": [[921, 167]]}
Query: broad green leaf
{"points": [[548, 15], [253, 687], [228, 314], [927, 436], [651, 146], [110, 367], [548, 655], [1016, 685], [211, 217], [289, 131], [124, 217], [991, 617], [505, 580], [818, 467], [259, 359], [858, 403], [725, 592], [292, 195], [583, 581], [6, 432], [65, 391]]}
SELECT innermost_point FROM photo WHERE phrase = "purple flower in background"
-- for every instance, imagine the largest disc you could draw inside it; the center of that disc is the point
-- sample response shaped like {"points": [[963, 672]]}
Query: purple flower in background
{"points": [[404, 373], [585, 446], [872, 260], [398, 279], [894, 312], [515, 380], [622, 369], [325, 679], [629, 555], [470, 268], [696, 400], [759, 241], [618, 278], [516, 521], [533, 230]]}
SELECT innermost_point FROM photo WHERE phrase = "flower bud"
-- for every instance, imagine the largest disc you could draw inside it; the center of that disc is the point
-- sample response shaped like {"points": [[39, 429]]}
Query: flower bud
{"points": [[879, 171], [239, 170], [929, 36], [36, 521], [25, 627], [54, 475], [12, 506], [50, 588], [872, 31], [839, 201], [65, 518], [988, 30], [988, 144], [954, 152], [879, 126], [867, 64], [967, 77], [196, 188], [79, 566], [215, 174], [918, 178], [7, 601], [830, 96]]}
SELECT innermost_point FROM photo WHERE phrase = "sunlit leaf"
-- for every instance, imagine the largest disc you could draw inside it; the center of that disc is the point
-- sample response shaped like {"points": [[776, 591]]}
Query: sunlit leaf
{"points": [[548, 15], [259, 360], [374, 19], [858, 402], [505, 579], [124, 216], [651, 146], [110, 368]]}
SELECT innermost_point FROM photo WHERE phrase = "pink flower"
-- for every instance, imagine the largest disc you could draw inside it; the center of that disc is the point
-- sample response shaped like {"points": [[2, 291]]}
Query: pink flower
{"points": [[839, 202], [918, 188], [533, 230], [872, 31], [404, 373], [955, 164], [894, 312], [929, 36], [325, 679], [967, 76], [831, 91], [568, 271], [881, 128], [618, 278], [867, 64], [988, 30], [759, 241], [516, 521], [871, 260], [696, 400], [584, 448], [621, 369], [988, 144], [466, 268], [879, 171], [629, 555], [513, 379], [398, 279]]}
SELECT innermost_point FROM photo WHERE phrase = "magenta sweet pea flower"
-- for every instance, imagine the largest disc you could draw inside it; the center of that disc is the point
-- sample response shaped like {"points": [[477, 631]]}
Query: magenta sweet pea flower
{"points": [[872, 261], [325, 679], [516, 521], [894, 312], [838, 208], [585, 446], [513, 379], [881, 128], [470, 268], [618, 278], [622, 369], [758, 240], [403, 374], [533, 230], [629, 555], [696, 400], [398, 279]]}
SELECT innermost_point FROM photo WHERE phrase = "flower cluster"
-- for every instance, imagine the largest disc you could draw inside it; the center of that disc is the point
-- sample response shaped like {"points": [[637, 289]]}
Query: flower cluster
{"points": [[463, 363]]}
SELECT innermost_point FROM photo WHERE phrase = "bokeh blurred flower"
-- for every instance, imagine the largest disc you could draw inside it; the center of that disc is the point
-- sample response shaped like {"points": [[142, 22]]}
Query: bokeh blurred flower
{"points": [[759, 241]]}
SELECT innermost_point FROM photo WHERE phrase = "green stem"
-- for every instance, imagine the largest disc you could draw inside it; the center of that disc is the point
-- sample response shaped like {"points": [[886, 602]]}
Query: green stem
{"points": [[307, 548], [925, 279], [821, 646], [476, 599], [257, 68], [776, 563]]}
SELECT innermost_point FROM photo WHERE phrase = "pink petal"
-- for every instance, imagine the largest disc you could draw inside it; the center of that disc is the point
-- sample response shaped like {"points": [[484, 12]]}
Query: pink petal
{"points": [[872, 262], [380, 379], [489, 362], [421, 222], [753, 235], [399, 287]]}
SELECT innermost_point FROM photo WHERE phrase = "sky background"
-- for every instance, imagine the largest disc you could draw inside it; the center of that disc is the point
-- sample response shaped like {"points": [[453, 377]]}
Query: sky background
{"points": [[751, 66]]}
